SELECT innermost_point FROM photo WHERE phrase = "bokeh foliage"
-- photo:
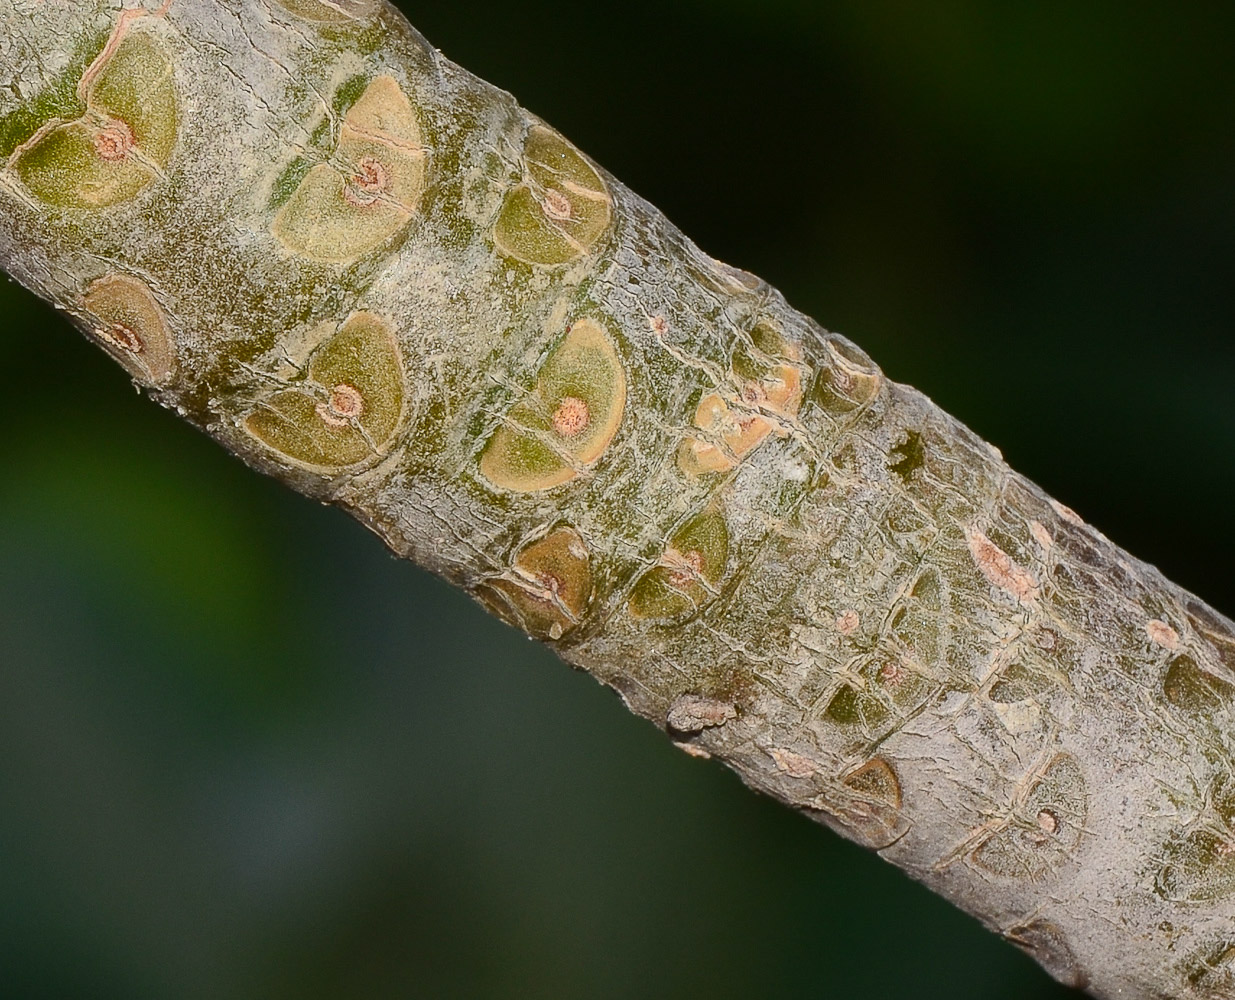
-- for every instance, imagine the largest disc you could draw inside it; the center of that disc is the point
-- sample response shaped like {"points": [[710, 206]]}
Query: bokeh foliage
{"points": [[245, 753]]}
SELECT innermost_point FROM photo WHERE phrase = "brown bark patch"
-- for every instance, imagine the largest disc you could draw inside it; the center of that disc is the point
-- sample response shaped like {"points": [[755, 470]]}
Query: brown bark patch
{"points": [[876, 780]]}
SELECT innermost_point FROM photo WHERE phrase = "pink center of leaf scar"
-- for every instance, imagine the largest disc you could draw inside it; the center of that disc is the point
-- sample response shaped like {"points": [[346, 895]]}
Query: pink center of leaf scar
{"points": [[571, 417], [344, 406]]}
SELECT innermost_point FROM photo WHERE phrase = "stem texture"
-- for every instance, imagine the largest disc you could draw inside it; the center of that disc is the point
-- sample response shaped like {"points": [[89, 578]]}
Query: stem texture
{"points": [[377, 278]]}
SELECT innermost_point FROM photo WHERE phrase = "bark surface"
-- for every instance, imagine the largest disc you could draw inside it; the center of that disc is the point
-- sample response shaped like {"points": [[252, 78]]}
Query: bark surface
{"points": [[378, 279]]}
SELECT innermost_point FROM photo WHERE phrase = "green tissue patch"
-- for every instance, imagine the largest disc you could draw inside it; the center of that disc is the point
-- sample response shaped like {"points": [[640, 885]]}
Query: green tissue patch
{"points": [[928, 590], [1198, 865], [920, 629], [321, 133], [1188, 687], [688, 573], [330, 12], [851, 707], [136, 87], [1044, 829], [368, 192], [348, 94], [567, 422], [119, 145], [770, 350], [58, 100], [768, 340], [65, 170], [289, 180], [350, 406], [1019, 682], [561, 208], [1211, 968], [548, 587], [850, 381], [888, 684], [910, 456]]}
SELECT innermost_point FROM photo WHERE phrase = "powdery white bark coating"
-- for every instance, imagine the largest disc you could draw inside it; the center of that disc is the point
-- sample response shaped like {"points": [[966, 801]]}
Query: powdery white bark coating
{"points": [[380, 280]]}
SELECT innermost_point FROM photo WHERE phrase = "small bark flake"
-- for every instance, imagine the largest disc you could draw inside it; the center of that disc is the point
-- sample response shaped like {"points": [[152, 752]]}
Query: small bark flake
{"points": [[691, 713], [1161, 634], [999, 568]]}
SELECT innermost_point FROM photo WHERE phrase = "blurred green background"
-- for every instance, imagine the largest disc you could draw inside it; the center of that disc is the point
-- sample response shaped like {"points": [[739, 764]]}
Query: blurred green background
{"points": [[244, 753]]}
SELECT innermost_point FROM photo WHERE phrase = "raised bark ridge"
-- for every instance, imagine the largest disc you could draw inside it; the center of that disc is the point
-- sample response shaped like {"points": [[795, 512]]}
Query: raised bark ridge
{"points": [[378, 279]]}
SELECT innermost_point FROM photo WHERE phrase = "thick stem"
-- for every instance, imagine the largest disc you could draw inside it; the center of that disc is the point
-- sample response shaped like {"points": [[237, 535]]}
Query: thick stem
{"points": [[375, 277]]}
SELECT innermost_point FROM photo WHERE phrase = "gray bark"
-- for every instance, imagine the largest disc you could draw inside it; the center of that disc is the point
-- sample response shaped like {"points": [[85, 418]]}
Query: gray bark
{"points": [[378, 279]]}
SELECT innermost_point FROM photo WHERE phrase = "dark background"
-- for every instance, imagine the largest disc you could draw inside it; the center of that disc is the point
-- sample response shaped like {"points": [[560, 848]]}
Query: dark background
{"points": [[244, 753]]}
